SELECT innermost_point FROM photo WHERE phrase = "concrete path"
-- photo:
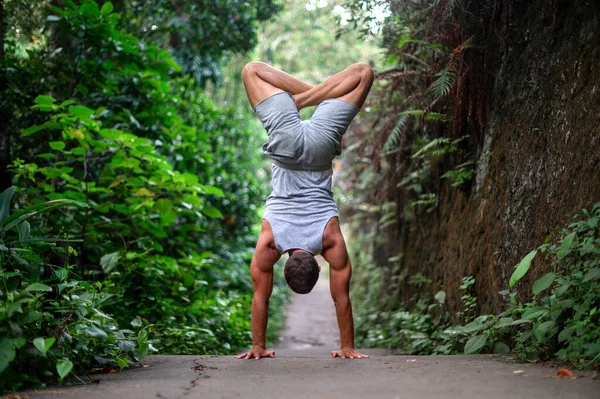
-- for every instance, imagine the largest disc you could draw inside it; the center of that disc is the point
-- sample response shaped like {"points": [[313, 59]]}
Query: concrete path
{"points": [[303, 368], [311, 323]]}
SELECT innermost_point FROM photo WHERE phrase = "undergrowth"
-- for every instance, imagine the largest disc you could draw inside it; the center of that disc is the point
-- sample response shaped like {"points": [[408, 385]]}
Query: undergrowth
{"points": [[560, 321]]}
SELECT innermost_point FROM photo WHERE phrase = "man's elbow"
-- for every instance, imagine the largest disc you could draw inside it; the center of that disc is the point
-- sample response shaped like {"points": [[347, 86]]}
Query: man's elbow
{"points": [[261, 299], [340, 299]]}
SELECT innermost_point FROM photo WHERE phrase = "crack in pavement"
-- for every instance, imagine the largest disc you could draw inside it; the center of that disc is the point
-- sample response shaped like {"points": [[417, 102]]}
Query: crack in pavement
{"points": [[200, 371]]}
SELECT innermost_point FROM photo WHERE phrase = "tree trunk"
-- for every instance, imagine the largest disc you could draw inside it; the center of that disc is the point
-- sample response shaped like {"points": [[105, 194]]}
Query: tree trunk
{"points": [[5, 178], [1, 31]]}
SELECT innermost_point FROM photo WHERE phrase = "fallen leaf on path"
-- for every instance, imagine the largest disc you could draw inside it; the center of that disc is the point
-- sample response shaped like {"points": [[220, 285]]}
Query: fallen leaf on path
{"points": [[104, 370], [564, 373], [411, 360], [518, 372]]}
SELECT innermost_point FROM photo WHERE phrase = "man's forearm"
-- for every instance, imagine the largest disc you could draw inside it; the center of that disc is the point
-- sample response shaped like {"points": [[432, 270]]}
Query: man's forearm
{"points": [[260, 317], [343, 309]]}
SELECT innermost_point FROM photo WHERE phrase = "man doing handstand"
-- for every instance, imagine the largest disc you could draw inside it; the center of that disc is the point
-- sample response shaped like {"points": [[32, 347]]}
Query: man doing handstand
{"points": [[300, 215]]}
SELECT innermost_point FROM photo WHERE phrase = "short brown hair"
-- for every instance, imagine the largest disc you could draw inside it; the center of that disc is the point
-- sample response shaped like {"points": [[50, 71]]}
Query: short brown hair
{"points": [[301, 272]]}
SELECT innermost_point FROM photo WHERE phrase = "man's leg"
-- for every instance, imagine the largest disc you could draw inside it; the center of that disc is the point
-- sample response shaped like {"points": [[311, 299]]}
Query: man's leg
{"points": [[262, 80], [351, 85]]}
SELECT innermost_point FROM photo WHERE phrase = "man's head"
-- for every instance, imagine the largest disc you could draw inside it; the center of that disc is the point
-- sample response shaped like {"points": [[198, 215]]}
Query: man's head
{"points": [[301, 272]]}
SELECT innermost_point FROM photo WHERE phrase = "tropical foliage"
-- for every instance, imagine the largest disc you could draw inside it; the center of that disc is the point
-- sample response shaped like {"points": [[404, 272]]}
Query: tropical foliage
{"points": [[135, 196], [416, 150], [561, 320]]}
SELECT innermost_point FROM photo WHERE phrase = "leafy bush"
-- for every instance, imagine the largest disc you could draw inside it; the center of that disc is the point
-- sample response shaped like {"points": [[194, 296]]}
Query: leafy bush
{"points": [[160, 195], [560, 321], [49, 319]]}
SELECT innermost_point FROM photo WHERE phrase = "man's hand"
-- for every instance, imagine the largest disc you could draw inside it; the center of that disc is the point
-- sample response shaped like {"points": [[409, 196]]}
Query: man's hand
{"points": [[256, 353], [348, 353]]}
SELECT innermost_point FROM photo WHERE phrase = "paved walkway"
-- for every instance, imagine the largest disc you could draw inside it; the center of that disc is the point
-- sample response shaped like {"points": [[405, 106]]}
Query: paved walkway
{"points": [[311, 324], [303, 368]]}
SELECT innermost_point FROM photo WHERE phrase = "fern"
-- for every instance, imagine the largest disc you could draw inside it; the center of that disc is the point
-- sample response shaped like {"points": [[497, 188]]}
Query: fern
{"points": [[394, 139], [429, 116], [438, 147], [429, 201], [443, 84], [435, 147], [461, 175]]}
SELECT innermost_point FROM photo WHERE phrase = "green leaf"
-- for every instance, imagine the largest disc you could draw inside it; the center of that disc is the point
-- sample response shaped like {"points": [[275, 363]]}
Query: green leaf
{"points": [[95, 332], [473, 326], [47, 155], [213, 191], [592, 349], [543, 283], [535, 313], [32, 130], [64, 367], [122, 362], [566, 334], [43, 344], [522, 268], [212, 212], [565, 246], [163, 205], [111, 134], [57, 145], [27, 213], [107, 8], [5, 199], [7, 352], [52, 18], [81, 111], [109, 261], [440, 297], [40, 100], [61, 273], [474, 344], [137, 322], [504, 322], [142, 337], [37, 287], [501, 347], [24, 231], [592, 274], [545, 330]]}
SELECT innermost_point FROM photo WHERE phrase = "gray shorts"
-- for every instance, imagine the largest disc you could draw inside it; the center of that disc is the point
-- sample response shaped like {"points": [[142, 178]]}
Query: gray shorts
{"points": [[304, 145]]}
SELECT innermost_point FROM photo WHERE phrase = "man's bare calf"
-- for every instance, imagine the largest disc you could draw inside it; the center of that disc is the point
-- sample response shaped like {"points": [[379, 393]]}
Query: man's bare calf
{"points": [[352, 85]]}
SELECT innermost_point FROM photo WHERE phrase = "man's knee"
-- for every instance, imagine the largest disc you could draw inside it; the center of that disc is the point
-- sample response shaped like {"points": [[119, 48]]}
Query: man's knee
{"points": [[251, 69], [364, 70]]}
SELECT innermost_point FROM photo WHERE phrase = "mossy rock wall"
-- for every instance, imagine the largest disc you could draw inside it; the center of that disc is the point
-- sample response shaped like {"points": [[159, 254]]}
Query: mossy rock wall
{"points": [[538, 164]]}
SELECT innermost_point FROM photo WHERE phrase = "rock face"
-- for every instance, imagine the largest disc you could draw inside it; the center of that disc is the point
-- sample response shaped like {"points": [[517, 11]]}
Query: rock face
{"points": [[538, 164]]}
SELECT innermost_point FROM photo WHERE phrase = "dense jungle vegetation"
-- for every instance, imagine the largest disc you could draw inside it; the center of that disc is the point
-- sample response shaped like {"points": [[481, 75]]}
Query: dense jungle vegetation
{"points": [[129, 198], [417, 152], [132, 180]]}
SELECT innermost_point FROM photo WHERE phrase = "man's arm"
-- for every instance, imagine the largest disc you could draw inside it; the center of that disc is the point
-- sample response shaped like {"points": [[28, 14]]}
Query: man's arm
{"points": [[340, 272], [261, 270]]}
